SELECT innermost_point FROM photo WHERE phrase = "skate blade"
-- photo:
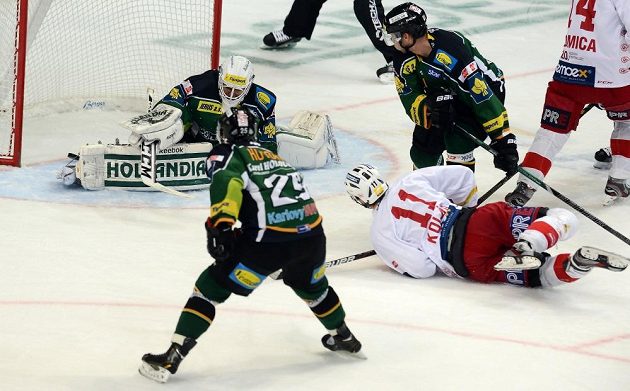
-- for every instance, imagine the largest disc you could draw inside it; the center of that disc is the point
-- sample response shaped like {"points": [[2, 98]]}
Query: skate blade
{"points": [[512, 263], [285, 46], [386, 78], [602, 165], [615, 262], [347, 355], [609, 200], [159, 374]]}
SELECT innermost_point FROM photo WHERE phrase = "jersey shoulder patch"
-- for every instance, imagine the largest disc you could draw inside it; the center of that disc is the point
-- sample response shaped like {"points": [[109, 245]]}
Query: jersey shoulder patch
{"points": [[218, 158], [263, 98]]}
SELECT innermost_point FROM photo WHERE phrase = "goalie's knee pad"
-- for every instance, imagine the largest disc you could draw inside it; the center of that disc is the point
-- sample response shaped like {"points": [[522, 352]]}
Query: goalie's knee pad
{"points": [[90, 169], [308, 141]]}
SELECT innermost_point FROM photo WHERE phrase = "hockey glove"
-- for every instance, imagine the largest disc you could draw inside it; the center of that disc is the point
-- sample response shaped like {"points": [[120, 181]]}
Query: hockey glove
{"points": [[220, 240], [441, 111], [507, 155]]}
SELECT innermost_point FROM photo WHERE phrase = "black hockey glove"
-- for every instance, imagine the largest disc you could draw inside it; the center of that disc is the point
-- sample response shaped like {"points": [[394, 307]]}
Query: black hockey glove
{"points": [[441, 111], [220, 240], [507, 155]]}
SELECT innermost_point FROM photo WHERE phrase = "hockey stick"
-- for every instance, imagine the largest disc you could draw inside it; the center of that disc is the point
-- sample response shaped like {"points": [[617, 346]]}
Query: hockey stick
{"points": [[277, 275], [507, 177], [148, 157], [542, 184], [494, 188]]}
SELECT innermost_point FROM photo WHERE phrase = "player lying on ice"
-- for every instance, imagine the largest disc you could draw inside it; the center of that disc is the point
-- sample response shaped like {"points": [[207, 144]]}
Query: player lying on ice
{"points": [[427, 222], [184, 124]]}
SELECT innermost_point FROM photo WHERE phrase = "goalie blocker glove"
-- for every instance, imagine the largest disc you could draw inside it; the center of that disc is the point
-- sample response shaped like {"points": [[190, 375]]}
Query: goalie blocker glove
{"points": [[507, 154]]}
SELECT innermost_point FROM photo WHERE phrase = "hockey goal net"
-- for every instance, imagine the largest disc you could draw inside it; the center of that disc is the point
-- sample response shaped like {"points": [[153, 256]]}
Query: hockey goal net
{"points": [[60, 54]]}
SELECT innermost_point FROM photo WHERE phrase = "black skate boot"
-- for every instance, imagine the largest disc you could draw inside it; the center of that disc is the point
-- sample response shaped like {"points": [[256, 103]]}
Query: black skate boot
{"points": [[603, 159], [159, 367], [342, 341], [521, 195], [279, 40], [615, 189], [386, 74], [587, 258]]}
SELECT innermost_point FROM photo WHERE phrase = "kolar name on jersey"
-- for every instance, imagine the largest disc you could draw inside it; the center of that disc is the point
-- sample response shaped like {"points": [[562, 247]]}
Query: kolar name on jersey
{"points": [[435, 225]]}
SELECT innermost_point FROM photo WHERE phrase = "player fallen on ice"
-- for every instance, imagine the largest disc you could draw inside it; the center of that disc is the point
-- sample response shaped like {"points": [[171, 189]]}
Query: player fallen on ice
{"points": [[427, 222], [280, 229], [442, 81]]}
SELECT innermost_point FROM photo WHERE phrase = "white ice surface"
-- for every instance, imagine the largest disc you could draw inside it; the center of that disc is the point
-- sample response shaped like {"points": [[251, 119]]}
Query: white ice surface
{"points": [[91, 281]]}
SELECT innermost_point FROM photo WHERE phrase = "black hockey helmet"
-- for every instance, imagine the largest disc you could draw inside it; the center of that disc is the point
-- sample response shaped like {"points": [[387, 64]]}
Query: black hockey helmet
{"points": [[238, 125], [406, 18]]}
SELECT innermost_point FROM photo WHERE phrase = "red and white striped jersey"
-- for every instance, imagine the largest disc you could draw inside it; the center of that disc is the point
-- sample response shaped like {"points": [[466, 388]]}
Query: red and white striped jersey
{"points": [[596, 47], [409, 220]]}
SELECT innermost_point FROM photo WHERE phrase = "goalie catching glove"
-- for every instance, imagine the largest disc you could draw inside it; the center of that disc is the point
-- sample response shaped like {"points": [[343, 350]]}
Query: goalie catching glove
{"points": [[163, 124], [221, 240]]}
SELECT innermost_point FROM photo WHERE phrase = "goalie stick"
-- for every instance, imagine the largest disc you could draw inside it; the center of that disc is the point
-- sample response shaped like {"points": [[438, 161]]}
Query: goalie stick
{"points": [[277, 275], [148, 157]]}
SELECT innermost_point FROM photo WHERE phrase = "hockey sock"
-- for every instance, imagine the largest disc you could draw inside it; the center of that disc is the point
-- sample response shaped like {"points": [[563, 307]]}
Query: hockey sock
{"points": [[324, 303]]}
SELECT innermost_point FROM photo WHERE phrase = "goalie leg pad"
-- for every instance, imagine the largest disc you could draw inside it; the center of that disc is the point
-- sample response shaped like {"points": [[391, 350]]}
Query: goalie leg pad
{"points": [[308, 141], [90, 169]]}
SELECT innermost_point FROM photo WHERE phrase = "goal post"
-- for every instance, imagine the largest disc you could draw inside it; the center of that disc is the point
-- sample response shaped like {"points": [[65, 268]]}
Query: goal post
{"points": [[65, 55]]}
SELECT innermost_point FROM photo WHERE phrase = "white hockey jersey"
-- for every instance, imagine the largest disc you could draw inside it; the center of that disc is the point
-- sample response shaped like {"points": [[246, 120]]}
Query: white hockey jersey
{"points": [[596, 47], [408, 223]]}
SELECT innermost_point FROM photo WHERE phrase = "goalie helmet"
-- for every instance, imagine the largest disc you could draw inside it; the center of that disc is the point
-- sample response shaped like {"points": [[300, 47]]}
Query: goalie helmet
{"points": [[236, 75], [238, 126], [365, 185], [406, 18]]}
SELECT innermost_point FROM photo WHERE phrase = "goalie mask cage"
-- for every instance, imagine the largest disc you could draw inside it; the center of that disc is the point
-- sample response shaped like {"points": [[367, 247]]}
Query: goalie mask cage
{"points": [[57, 55]]}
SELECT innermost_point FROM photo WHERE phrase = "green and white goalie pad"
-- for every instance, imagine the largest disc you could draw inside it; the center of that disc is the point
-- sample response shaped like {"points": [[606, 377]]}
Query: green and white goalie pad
{"points": [[114, 166], [308, 141]]}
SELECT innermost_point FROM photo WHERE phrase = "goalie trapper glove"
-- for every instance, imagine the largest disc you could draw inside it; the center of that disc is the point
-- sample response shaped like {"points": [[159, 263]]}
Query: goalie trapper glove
{"points": [[507, 155], [220, 240], [441, 111]]}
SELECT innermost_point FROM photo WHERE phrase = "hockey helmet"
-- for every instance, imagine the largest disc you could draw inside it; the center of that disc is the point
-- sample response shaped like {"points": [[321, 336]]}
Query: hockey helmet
{"points": [[406, 18], [238, 126], [236, 75], [365, 185]]}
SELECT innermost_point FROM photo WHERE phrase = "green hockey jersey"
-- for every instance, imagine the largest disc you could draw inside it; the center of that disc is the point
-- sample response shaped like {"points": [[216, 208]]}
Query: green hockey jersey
{"points": [[456, 65], [254, 185]]}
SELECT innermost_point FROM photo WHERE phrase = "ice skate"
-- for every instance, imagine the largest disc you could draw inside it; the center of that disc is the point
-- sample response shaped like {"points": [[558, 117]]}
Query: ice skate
{"points": [[386, 74], [521, 195], [159, 367], [279, 40], [587, 258], [520, 257], [603, 159], [343, 342], [615, 189]]}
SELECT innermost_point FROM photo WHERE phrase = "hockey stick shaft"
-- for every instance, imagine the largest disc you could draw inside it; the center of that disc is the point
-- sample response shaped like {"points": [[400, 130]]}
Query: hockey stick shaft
{"points": [[551, 190], [507, 177], [494, 188], [334, 262], [148, 159]]}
